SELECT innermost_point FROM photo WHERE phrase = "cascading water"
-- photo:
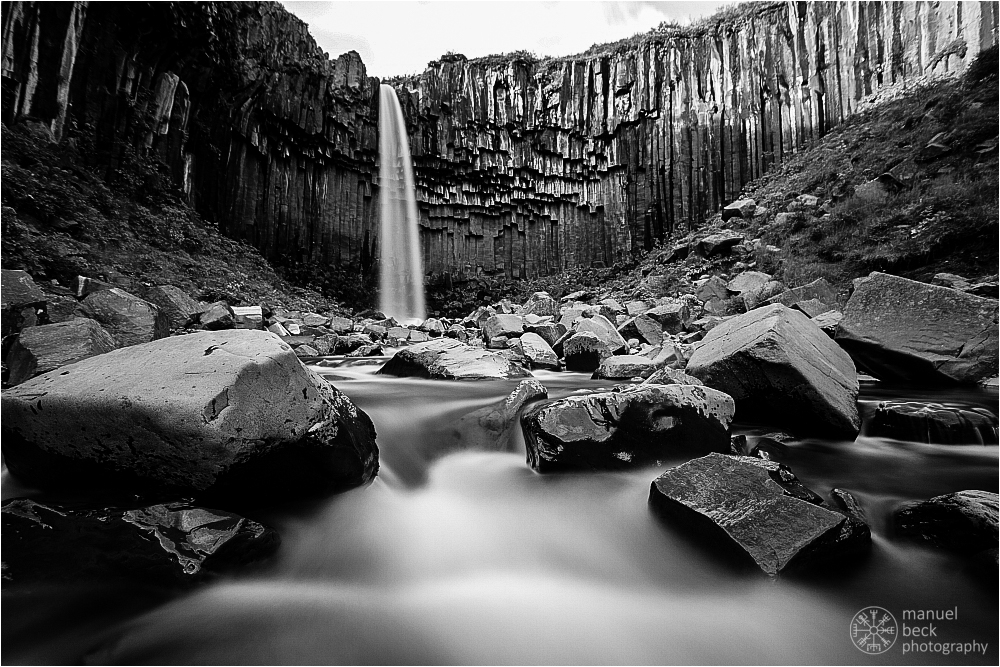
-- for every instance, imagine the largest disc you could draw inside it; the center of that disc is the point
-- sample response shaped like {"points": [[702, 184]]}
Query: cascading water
{"points": [[401, 280]]}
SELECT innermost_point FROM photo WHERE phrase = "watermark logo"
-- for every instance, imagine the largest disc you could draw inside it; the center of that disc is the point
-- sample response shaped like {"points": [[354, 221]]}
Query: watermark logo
{"points": [[874, 630]]}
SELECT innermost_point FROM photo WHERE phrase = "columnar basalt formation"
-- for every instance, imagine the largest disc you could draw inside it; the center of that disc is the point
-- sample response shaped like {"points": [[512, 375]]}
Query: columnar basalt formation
{"points": [[523, 167]]}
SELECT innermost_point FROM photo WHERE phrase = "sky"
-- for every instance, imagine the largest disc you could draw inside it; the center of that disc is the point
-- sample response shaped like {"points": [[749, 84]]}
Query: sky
{"points": [[401, 37]]}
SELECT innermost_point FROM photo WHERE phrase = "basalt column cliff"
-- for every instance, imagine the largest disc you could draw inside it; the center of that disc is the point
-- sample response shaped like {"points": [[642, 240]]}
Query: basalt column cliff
{"points": [[523, 167]]}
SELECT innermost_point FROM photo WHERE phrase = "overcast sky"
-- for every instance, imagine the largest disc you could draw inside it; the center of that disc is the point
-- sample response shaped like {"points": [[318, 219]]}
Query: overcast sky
{"points": [[400, 37]]}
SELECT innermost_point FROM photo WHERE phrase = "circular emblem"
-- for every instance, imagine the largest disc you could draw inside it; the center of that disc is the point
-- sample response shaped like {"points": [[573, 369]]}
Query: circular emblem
{"points": [[873, 630]]}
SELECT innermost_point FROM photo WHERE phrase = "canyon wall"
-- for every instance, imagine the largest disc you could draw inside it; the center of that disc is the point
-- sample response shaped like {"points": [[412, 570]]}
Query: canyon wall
{"points": [[523, 167]]}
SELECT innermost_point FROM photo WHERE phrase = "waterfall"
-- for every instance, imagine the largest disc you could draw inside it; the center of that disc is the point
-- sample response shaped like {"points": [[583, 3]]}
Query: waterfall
{"points": [[401, 279]]}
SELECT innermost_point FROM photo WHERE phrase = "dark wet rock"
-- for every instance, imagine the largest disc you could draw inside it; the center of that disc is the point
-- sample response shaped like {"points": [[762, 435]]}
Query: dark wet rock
{"points": [[780, 368], [44, 348], [537, 352], [903, 330], [770, 445], [490, 428], [584, 351], [20, 298], [671, 316], [129, 319], [507, 326], [819, 290], [846, 501], [933, 423], [672, 376], [638, 425], [643, 328], [450, 359], [625, 367], [720, 243], [965, 521], [179, 308], [757, 509], [229, 415], [172, 544]]}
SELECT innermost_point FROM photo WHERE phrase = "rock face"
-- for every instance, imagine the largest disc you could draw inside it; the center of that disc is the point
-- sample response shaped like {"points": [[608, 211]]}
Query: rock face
{"points": [[170, 544], [522, 167], [450, 359], [903, 330], [228, 415], [636, 426], [758, 509], [43, 348], [933, 423], [782, 369], [129, 319], [965, 521]]}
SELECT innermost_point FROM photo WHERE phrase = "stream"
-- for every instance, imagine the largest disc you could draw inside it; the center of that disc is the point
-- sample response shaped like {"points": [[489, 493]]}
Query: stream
{"points": [[459, 553]]}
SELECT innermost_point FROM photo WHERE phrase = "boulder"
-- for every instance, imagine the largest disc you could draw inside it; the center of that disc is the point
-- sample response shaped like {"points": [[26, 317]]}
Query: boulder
{"points": [[416, 336], [584, 351], [828, 322], [720, 243], [84, 286], [20, 298], [633, 308], [228, 415], [757, 296], [741, 208], [714, 295], [549, 331], [758, 510], [643, 328], [249, 317], [636, 426], [540, 303], [508, 326], [818, 289], [44, 348], [965, 521], [340, 325], [903, 330], [220, 316], [538, 352], [433, 327], [171, 544], [603, 329], [747, 281], [780, 368], [671, 316], [490, 428], [179, 308], [314, 320], [450, 359], [933, 423], [672, 376], [625, 367], [812, 307], [129, 319], [63, 308]]}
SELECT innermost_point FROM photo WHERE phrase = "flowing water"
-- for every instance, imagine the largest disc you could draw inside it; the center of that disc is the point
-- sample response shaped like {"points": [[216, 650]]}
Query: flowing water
{"points": [[401, 276], [459, 553]]}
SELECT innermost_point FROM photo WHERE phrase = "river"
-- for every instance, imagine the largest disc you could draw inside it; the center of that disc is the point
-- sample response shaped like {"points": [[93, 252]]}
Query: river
{"points": [[460, 554]]}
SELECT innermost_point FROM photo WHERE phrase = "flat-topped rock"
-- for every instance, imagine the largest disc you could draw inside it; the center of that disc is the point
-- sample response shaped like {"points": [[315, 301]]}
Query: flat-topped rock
{"points": [[450, 359], [508, 326], [172, 544], [933, 423], [636, 426], [965, 521], [907, 331], [781, 369], [537, 351], [624, 367], [225, 415], [758, 510]]}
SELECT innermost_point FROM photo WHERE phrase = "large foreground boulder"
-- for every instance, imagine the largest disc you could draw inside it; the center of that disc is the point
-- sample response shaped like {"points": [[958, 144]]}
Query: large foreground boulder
{"points": [[965, 521], [450, 359], [933, 423], [639, 425], [781, 369], [171, 544], [225, 415], [903, 330], [44, 348], [757, 509]]}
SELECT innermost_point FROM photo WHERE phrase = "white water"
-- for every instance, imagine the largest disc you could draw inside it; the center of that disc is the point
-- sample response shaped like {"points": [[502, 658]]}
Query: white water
{"points": [[401, 280]]}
